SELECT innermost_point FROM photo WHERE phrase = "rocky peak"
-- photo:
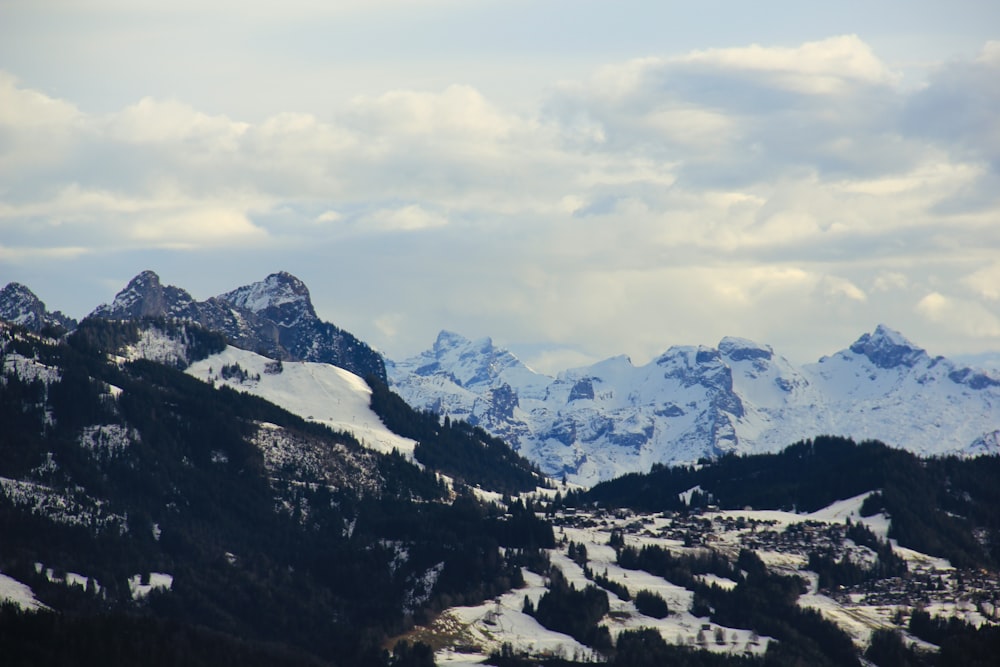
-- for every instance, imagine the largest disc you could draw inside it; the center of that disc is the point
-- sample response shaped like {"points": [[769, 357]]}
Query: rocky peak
{"points": [[146, 296], [887, 348], [280, 297], [274, 317], [741, 349], [447, 341], [689, 359], [19, 305]]}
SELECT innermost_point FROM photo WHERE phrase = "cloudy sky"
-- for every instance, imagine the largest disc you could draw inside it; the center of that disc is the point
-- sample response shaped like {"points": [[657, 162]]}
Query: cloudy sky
{"points": [[576, 179]]}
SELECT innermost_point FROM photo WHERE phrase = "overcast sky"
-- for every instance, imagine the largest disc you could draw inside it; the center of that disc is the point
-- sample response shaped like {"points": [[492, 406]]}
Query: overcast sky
{"points": [[576, 179]]}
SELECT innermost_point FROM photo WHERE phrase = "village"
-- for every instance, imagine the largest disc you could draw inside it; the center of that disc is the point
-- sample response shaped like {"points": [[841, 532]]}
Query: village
{"points": [[783, 540]]}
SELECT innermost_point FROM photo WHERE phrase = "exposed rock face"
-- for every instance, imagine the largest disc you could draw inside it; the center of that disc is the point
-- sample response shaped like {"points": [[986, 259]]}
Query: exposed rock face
{"points": [[145, 296], [19, 305], [274, 317]]}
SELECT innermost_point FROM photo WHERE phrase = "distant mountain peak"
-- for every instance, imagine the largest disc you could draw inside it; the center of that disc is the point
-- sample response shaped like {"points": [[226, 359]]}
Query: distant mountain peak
{"points": [[274, 317], [17, 302], [146, 296], [19, 305], [449, 340], [741, 349], [887, 348], [18, 290], [147, 276], [280, 296]]}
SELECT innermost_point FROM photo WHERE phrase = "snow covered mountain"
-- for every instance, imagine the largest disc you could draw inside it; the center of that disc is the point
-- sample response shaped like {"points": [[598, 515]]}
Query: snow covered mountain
{"points": [[600, 421], [19, 305], [274, 317]]}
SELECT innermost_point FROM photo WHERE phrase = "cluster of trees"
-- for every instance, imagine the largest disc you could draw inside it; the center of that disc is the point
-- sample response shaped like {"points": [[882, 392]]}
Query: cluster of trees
{"points": [[651, 604], [646, 648], [109, 336], [678, 569], [236, 372], [637, 648], [49, 639], [960, 642], [602, 580], [576, 613]]}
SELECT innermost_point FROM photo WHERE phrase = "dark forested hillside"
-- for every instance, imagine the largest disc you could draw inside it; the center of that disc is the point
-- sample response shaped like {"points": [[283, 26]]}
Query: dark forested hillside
{"points": [[114, 470]]}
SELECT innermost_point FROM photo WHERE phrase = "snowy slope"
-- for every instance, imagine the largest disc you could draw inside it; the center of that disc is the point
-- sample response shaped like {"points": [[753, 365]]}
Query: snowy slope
{"points": [[596, 422], [14, 592], [318, 392]]}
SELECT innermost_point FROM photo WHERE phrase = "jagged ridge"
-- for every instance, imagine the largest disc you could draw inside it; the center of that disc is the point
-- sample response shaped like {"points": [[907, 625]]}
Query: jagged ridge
{"points": [[20, 306], [274, 317], [613, 417]]}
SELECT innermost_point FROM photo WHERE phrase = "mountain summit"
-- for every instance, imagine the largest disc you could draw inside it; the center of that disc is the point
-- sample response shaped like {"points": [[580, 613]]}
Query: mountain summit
{"points": [[274, 317], [146, 296], [596, 422], [887, 348], [19, 305], [281, 298]]}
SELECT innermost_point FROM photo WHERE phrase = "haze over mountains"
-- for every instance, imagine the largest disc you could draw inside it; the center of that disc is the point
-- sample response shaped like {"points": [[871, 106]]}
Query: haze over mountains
{"points": [[596, 422]]}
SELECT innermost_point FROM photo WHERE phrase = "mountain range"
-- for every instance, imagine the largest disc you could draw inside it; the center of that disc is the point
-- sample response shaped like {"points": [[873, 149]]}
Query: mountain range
{"points": [[597, 422], [692, 402], [169, 498], [274, 317]]}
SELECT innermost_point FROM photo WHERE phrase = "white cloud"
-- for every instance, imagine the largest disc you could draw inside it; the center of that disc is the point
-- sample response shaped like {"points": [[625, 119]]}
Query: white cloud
{"points": [[678, 197], [405, 219], [888, 281], [964, 317], [835, 286], [27, 109], [169, 121], [823, 67], [197, 228], [30, 256], [985, 282], [459, 114], [37, 131], [329, 217]]}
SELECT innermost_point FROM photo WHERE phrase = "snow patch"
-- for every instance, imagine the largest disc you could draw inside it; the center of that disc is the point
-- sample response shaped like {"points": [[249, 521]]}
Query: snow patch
{"points": [[154, 581], [12, 590], [155, 345]]}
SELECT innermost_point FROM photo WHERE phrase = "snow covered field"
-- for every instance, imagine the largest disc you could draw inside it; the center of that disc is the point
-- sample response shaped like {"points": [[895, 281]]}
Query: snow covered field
{"points": [[317, 392]]}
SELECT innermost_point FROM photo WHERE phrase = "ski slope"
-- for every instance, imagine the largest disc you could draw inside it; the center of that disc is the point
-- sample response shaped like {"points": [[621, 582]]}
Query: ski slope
{"points": [[318, 392]]}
